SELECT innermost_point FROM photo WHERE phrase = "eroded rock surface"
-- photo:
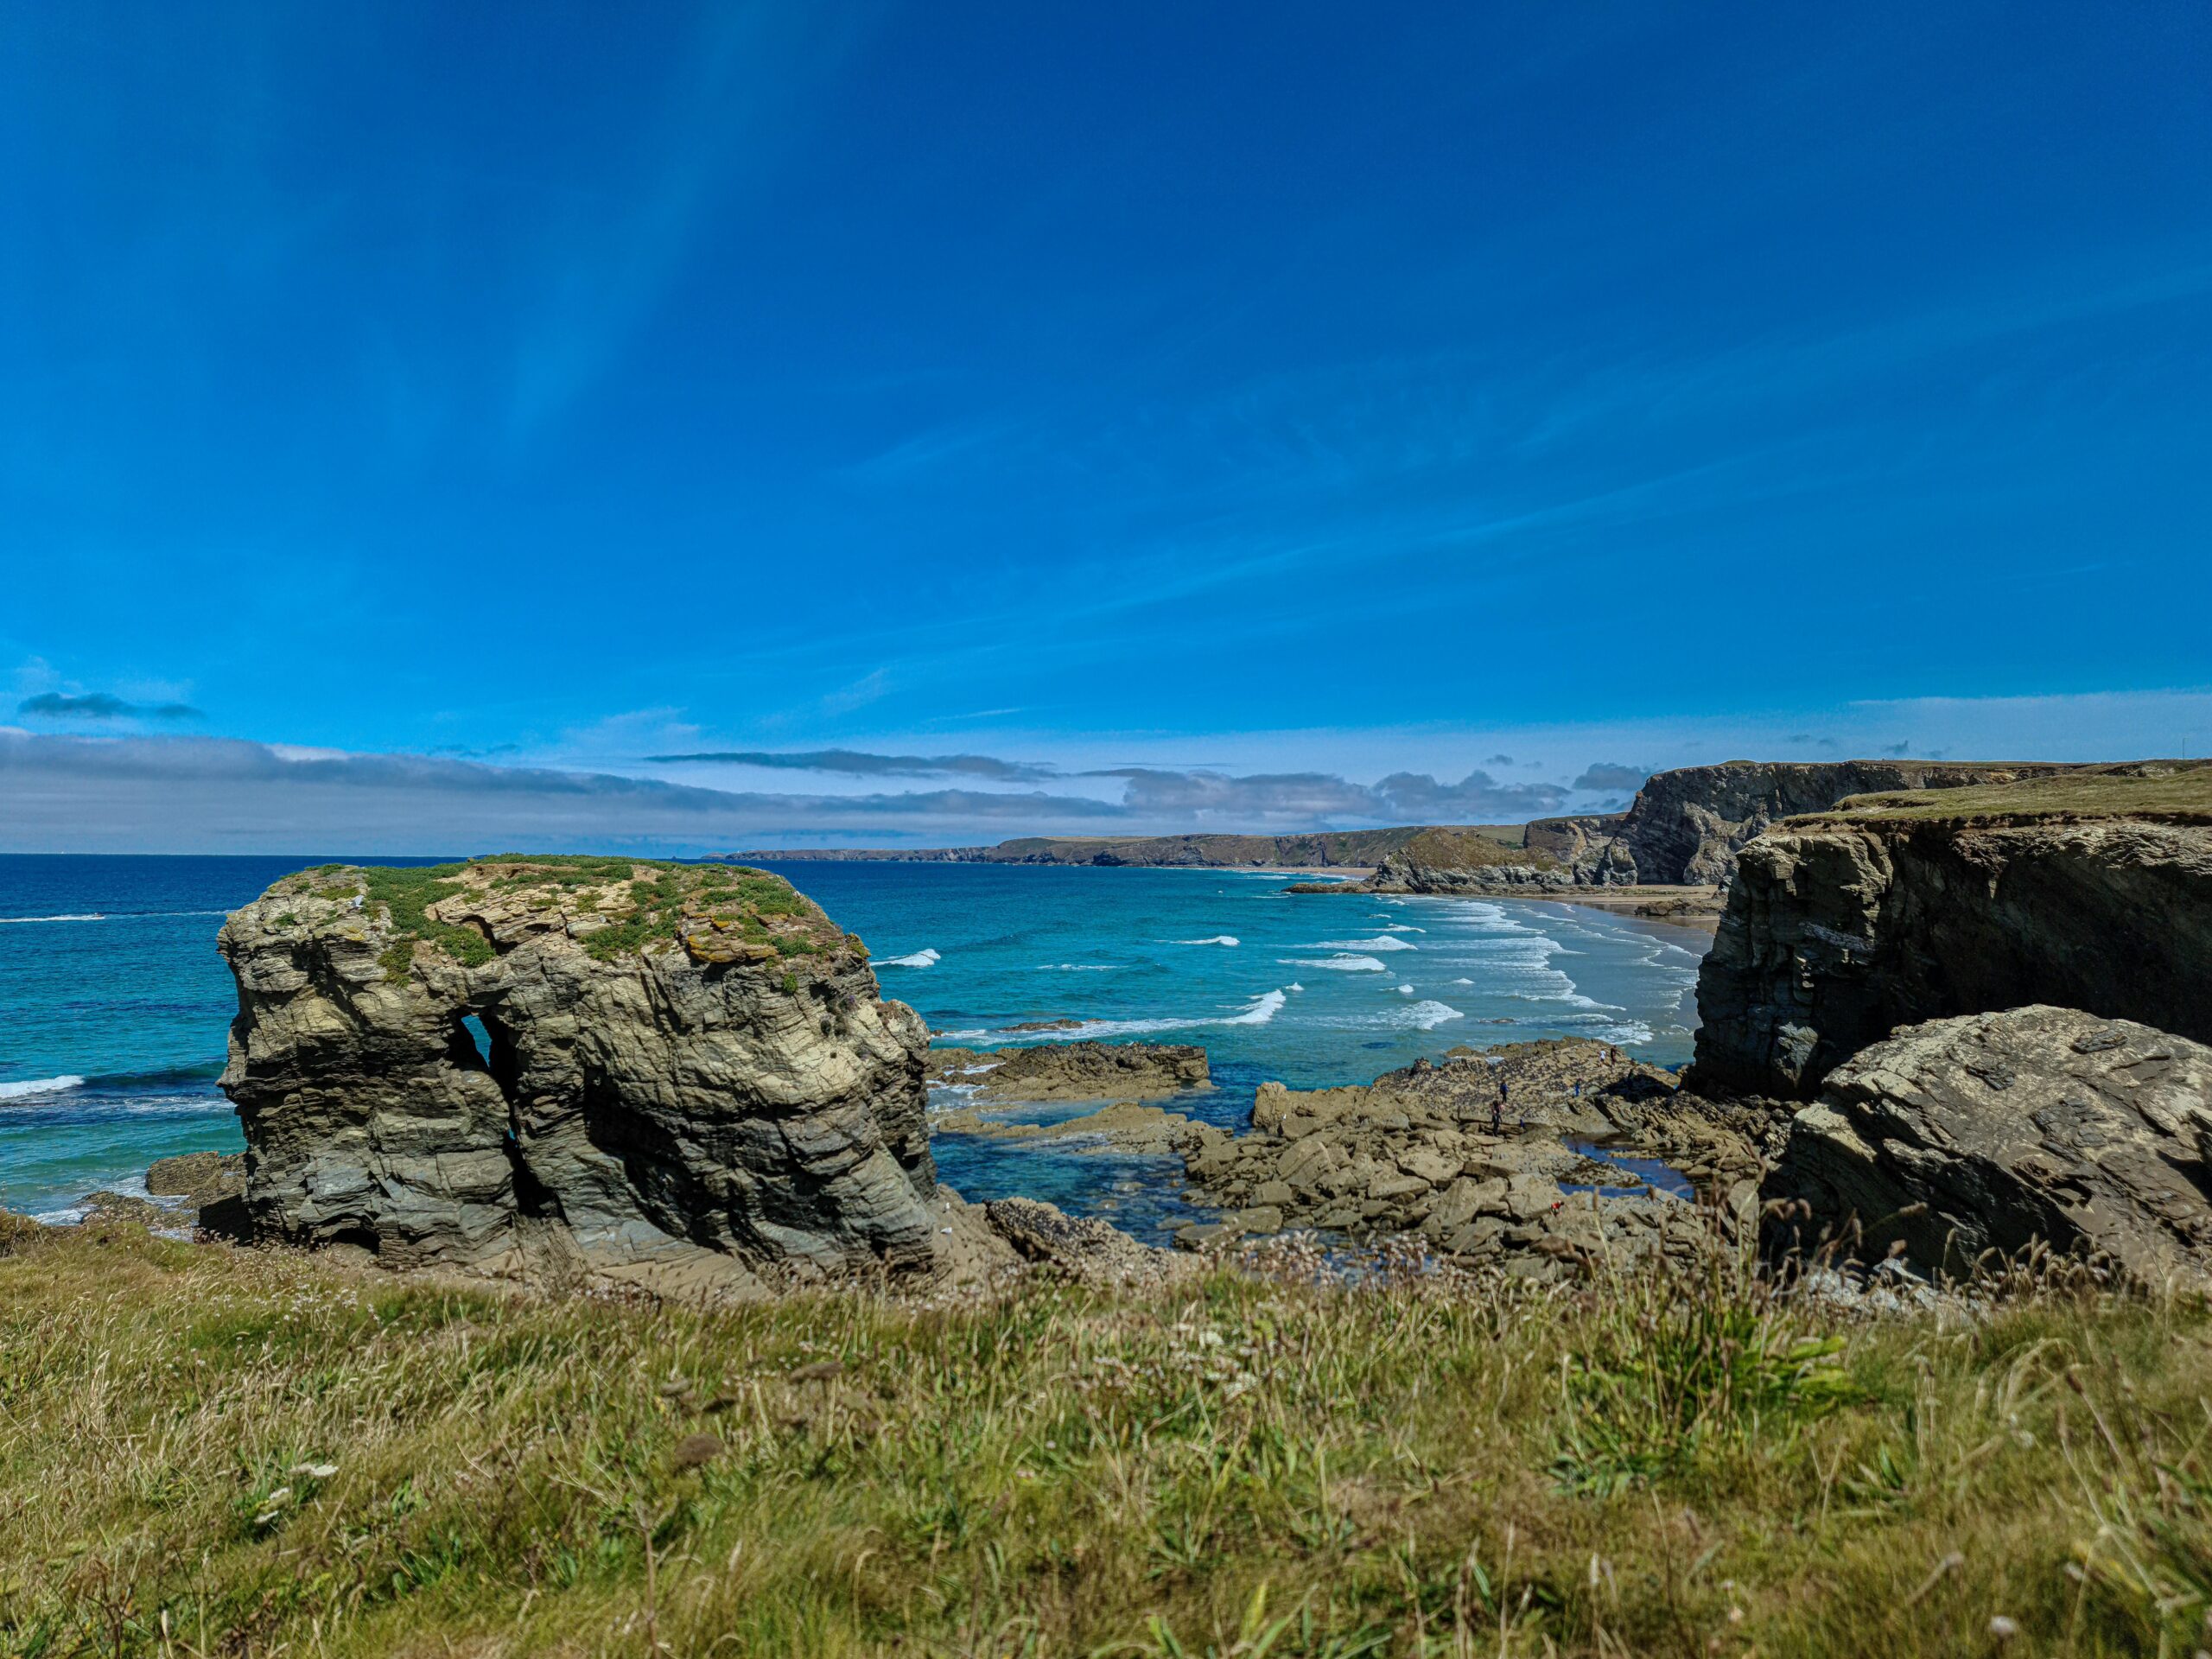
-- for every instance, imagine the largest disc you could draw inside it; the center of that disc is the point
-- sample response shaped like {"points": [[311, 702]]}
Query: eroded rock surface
{"points": [[1077, 1070], [1840, 930], [1986, 1131], [685, 1077], [1420, 1150]]}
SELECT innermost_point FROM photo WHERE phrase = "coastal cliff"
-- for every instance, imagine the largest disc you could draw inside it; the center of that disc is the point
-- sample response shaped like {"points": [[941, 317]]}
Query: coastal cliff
{"points": [[687, 1078], [1686, 826], [2088, 889]]}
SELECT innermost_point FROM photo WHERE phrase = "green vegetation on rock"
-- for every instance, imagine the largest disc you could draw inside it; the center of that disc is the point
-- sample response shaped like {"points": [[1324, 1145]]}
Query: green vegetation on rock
{"points": [[298, 1455], [642, 901], [2177, 792]]}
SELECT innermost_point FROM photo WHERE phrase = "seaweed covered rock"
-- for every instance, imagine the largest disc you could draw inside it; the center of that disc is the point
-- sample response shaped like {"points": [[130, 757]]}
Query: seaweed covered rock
{"points": [[675, 1077]]}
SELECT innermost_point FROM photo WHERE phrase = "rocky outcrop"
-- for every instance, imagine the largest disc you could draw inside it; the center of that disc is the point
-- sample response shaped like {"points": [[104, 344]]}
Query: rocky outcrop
{"points": [[1420, 1150], [1077, 1070], [1124, 1126], [1401, 873], [1686, 826], [199, 1179], [1840, 929], [677, 1077], [1079, 1247], [1572, 841], [1991, 1131]]}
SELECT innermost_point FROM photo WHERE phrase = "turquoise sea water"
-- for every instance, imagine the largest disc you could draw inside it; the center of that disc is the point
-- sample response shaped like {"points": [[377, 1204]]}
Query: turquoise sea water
{"points": [[113, 1004]]}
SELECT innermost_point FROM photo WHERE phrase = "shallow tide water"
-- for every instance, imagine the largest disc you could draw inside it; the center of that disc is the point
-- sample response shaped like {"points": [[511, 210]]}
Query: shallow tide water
{"points": [[114, 1006]]}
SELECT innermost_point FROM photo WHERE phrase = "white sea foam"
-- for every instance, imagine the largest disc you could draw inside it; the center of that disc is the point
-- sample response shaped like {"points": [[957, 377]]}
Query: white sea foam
{"points": [[1463, 982], [1402, 927], [104, 916], [38, 1086], [923, 958], [1262, 1008], [1219, 938], [1405, 990], [1077, 967], [1427, 1016], [1340, 964], [1293, 986], [1380, 942]]}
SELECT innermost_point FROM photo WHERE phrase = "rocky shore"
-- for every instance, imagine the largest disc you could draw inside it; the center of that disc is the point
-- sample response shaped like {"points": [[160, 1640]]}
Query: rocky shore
{"points": [[1959, 1020]]}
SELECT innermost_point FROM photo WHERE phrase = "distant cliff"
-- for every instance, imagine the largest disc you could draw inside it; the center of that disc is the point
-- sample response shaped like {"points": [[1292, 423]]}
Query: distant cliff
{"points": [[2089, 888], [1685, 825], [1322, 850]]}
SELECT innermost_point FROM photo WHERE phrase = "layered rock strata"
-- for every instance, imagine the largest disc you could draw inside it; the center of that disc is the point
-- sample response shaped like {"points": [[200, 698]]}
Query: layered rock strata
{"points": [[1839, 930], [1987, 1132], [581, 1069]]}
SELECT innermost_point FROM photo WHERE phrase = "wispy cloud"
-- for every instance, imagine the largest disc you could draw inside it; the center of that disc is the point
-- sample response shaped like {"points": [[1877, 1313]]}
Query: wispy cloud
{"points": [[728, 115], [854, 763], [220, 794]]}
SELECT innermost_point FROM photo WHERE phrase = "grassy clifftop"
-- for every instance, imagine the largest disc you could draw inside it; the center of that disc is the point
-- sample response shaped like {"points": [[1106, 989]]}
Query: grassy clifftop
{"points": [[208, 1452], [2178, 792], [627, 903]]}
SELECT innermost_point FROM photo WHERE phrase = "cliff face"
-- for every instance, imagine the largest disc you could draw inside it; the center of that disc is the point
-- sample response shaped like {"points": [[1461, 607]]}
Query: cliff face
{"points": [[1686, 825], [691, 1079], [1841, 928]]}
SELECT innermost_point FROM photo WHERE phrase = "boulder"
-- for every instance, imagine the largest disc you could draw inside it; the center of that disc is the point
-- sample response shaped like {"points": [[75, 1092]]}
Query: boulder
{"points": [[199, 1178], [1988, 1131]]}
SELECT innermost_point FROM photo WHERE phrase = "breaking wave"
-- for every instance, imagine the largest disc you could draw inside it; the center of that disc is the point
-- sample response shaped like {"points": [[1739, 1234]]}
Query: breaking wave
{"points": [[922, 958], [1262, 1008], [39, 1086], [1340, 964], [1219, 938], [1381, 942]]}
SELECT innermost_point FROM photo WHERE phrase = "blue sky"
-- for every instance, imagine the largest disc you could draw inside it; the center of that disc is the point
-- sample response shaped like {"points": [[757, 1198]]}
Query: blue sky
{"points": [[414, 418]]}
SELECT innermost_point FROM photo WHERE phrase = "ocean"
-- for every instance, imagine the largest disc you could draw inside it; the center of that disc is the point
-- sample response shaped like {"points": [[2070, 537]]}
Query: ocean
{"points": [[114, 1004]]}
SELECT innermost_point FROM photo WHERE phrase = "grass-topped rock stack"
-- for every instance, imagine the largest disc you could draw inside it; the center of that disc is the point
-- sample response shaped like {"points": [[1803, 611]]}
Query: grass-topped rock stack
{"points": [[602, 1068]]}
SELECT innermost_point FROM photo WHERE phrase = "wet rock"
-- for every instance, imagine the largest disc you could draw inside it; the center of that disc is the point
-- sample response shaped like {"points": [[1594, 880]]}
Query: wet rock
{"points": [[1415, 1151], [1988, 1131], [1079, 1071], [1126, 1126]]}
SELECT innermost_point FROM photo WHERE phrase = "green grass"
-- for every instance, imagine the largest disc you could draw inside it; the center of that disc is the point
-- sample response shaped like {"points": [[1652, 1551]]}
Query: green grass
{"points": [[207, 1452], [652, 897], [1468, 849], [2181, 794]]}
